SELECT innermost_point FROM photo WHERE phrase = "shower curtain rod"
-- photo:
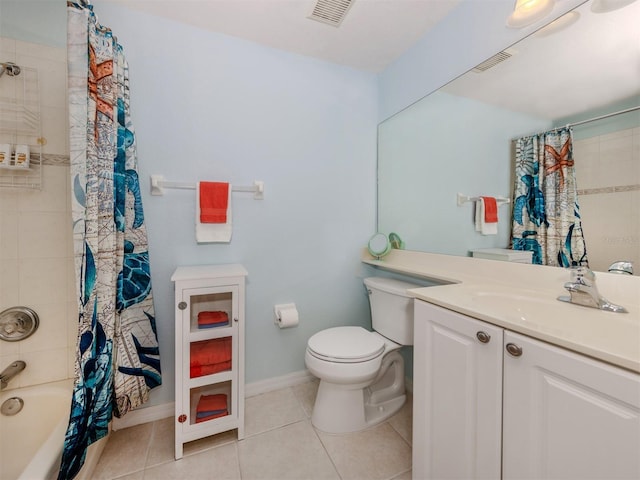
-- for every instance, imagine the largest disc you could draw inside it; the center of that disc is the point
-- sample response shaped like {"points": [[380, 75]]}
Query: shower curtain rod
{"points": [[568, 125], [602, 117]]}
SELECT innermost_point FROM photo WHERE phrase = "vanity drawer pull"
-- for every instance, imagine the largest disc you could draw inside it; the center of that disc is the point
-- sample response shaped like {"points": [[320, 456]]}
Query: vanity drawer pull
{"points": [[514, 350], [483, 337]]}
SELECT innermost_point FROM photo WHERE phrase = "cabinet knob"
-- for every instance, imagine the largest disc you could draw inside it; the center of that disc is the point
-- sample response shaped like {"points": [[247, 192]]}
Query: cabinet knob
{"points": [[514, 350], [182, 418], [235, 319], [182, 305], [483, 337]]}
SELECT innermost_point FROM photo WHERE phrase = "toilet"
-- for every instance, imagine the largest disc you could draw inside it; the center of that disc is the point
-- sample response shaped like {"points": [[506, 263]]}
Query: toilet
{"points": [[361, 372]]}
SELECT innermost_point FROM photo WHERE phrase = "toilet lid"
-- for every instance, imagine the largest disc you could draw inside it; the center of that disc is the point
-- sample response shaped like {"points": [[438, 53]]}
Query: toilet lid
{"points": [[346, 344]]}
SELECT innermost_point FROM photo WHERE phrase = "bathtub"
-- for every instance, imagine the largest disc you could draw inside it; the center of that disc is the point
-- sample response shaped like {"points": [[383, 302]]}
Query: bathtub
{"points": [[31, 441]]}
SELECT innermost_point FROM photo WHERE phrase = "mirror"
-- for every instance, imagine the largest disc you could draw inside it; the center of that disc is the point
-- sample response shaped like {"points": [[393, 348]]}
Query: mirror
{"points": [[459, 139]]}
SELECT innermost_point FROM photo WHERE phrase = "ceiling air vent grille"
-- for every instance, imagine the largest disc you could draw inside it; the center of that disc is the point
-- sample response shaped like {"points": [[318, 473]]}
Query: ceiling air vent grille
{"points": [[493, 61], [331, 12]]}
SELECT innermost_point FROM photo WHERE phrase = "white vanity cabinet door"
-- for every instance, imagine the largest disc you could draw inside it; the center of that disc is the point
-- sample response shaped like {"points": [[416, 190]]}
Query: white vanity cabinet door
{"points": [[567, 416], [457, 395]]}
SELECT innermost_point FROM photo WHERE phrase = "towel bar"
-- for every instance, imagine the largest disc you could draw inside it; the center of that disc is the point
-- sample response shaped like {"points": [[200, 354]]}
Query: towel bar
{"points": [[158, 184], [462, 199]]}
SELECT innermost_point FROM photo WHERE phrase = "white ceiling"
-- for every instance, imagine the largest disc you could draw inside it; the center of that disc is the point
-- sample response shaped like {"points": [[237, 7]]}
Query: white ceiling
{"points": [[372, 35], [592, 63]]}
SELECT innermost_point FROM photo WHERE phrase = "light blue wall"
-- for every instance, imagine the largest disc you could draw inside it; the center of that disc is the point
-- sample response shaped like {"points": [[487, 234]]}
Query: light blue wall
{"points": [[211, 107], [471, 33], [435, 149]]}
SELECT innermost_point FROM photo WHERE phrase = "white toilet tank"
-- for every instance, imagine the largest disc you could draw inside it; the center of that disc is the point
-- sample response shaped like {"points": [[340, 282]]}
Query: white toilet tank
{"points": [[391, 308]]}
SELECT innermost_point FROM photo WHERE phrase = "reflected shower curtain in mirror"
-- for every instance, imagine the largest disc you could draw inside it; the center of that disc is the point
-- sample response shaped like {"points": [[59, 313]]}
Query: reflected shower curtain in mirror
{"points": [[117, 358], [546, 215]]}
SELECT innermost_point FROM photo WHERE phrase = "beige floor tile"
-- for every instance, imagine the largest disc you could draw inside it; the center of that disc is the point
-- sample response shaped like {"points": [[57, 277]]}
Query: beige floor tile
{"points": [[404, 476], [271, 410], [402, 421], [133, 476], [375, 453], [306, 395], [207, 443], [125, 452], [292, 452], [161, 448], [218, 463]]}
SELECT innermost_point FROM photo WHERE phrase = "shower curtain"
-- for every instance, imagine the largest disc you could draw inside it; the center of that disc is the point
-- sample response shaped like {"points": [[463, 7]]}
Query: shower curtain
{"points": [[117, 358], [546, 215]]}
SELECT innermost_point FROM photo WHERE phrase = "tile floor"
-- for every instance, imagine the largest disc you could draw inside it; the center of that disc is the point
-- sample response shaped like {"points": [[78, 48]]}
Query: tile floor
{"points": [[280, 443]]}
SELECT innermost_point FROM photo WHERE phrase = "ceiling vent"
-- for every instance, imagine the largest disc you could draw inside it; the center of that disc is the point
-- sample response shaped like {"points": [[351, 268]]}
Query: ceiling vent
{"points": [[331, 12], [493, 61]]}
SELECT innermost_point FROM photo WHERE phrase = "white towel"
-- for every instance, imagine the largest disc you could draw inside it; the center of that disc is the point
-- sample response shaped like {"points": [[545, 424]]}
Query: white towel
{"points": [[213, 232], [481, 226]]}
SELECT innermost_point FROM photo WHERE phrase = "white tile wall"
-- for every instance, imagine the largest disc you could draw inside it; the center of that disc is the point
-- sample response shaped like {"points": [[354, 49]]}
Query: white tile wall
{"points": [[611, 221], [36, 257]]}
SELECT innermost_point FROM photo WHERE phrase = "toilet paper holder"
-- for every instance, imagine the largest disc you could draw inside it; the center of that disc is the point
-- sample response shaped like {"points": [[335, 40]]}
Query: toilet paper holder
{"points": [[285, 315]]}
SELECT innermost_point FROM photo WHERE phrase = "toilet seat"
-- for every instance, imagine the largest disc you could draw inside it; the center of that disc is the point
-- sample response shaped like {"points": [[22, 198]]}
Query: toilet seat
{"points": [[346, 345]]}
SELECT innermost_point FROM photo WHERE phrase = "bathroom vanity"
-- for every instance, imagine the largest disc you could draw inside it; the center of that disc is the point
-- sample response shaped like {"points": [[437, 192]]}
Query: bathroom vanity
{"points": [[511, 383]]}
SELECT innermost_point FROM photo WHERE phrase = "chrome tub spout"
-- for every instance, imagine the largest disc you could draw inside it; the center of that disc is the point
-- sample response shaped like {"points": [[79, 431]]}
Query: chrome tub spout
{"points": [[11, 371]]}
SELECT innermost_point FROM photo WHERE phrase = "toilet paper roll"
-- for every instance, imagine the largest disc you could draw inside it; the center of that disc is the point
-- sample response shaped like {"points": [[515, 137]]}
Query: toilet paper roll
{"points": [[287, 316]]}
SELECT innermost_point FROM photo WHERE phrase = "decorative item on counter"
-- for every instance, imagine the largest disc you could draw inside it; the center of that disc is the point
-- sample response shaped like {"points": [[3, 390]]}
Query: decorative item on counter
{"points": [[379, 245], [22, 156], [396, 241], [5, 154]]}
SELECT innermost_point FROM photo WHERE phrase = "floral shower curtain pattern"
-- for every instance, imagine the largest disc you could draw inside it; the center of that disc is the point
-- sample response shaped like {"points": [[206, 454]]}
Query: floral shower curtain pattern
{"points": [[546, 215], [117, 358]]}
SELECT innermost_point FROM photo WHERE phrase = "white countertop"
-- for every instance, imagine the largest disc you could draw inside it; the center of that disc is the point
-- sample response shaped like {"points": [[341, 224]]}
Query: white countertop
{"points": [[523, 298]]}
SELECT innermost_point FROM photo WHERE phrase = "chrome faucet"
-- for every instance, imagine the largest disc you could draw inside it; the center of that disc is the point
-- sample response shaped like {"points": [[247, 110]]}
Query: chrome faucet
{"points": [[622, 266], [583, 291], [11, 371]]}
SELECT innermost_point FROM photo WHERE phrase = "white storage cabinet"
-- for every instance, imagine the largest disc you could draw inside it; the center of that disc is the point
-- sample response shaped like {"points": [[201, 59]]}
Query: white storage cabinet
{"points": [[209, 361], [490, 403]]}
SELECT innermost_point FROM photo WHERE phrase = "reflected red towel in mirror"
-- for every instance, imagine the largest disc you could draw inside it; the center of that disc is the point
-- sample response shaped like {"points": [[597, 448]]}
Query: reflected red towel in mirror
{"points": [[490, 210], [214, 200]]}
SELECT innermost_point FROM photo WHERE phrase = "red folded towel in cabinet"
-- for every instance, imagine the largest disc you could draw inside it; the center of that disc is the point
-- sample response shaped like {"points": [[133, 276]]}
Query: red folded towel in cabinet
{"points": [[211, 406], [490, 210], [210, 356], [201, 370], [212, 319], [214, 199]]}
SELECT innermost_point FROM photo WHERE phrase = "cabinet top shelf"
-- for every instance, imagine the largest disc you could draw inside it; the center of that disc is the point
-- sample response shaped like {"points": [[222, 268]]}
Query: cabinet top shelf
{"points": [[195, 272]]}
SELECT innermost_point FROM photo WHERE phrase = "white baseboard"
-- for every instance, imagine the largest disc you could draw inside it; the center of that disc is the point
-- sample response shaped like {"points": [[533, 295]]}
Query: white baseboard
{"points": [[165, 410], [276, 383]]}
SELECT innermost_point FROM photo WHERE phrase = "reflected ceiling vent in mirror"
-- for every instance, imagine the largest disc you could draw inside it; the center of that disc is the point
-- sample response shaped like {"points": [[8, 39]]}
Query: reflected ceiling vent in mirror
{"points": [[495, 60], [331, 12]]}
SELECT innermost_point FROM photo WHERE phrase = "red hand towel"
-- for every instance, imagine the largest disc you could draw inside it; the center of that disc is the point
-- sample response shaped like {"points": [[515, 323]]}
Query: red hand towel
{"points": [[490, 210], [211, 417], [214, 198], [210, 318], [210, 352]]}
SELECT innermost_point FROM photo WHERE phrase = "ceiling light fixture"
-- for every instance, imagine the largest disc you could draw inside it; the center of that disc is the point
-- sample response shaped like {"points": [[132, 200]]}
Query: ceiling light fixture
{"points": [[527, 12], [604, 6]]}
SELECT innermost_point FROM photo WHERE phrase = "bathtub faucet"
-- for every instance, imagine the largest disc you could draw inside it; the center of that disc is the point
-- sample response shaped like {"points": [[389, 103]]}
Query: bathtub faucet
{"points": [[11, 371], [583, 291]]}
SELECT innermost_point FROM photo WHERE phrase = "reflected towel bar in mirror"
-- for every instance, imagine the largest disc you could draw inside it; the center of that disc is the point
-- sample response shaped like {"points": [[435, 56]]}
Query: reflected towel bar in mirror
{"points": [[462, 199]]}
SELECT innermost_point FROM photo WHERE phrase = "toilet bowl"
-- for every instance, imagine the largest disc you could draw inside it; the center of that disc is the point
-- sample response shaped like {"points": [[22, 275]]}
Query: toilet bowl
{"points": [[362, 372]]}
